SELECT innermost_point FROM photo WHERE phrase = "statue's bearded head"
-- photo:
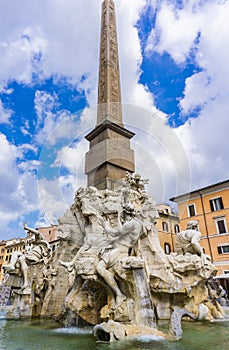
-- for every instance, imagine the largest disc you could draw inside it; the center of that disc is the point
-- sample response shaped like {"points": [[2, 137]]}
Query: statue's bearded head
{"points": [[192, 225]]}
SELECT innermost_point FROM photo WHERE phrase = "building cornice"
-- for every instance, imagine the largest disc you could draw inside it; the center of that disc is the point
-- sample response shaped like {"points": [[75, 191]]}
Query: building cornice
{"points": [[223, 185]]}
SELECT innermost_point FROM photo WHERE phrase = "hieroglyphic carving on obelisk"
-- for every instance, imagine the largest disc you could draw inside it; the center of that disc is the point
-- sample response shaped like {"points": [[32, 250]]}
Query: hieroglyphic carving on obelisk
{"points": [[110, 155], [109, 88]]}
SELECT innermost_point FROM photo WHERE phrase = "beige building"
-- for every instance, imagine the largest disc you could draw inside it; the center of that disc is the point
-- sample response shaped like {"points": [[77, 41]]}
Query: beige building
{"points": [[12, 245], [8, 248], [210, 207], [2, 255], [167, 225]]}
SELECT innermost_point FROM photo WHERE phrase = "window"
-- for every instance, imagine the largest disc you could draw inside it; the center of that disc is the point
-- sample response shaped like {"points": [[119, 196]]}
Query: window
{"points": [[216, 204], [165, 226], [221, 225], [191, 210], [176, 228], [167, 248], [223, 249], [50, 232]]}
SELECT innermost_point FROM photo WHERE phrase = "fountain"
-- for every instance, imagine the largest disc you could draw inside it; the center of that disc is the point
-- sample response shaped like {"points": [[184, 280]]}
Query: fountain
{"points": [[109, 270]]}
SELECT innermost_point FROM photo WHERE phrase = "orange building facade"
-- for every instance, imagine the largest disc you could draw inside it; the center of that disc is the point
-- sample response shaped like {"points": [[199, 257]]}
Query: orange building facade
{"points": [[210, 207], [168, 225]]}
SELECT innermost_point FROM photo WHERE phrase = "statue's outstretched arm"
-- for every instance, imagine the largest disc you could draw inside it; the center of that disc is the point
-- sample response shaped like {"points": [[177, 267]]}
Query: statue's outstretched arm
{"points": [[36, 232]]}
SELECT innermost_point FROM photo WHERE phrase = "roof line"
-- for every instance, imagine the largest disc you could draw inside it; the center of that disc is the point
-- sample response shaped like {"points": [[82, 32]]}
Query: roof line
{"points": [[199, 189]]}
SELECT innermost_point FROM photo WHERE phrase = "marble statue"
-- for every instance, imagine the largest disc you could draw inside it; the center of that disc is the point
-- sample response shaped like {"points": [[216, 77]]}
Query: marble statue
{"points": [[136, 182], [188, 241], [39, 252], [119, 242], [125, 238], [110, 270]]}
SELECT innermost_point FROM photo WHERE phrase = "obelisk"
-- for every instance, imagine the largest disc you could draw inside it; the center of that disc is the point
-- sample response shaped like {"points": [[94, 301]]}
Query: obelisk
{"points": [[110, 155]]}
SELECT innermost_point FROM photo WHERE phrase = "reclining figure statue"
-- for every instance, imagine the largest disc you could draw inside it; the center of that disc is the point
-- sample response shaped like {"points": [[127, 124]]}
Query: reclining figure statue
{"points": [[38, 253], [188, 241]]}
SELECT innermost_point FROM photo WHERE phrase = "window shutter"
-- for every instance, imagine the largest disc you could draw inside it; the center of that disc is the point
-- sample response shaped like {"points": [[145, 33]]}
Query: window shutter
{"points": [[191, 209], [221, 203], [221, 226], [211, 205]]}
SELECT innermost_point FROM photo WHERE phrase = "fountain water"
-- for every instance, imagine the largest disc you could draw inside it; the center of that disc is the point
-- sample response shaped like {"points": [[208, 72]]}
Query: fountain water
{"points": [[5, 292], [144, 302]]}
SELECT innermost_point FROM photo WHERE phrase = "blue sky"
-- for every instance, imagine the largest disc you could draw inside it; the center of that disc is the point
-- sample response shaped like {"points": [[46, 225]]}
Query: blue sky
{"points": [[174, 73]]}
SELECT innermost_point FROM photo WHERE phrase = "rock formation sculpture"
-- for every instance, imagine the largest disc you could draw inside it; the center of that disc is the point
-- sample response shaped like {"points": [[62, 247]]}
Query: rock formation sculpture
{"points": [[110, 270]]}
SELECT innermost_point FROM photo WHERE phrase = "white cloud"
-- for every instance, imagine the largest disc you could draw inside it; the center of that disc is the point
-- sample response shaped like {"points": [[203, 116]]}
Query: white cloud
{"points": [[26, 147], [176, 30], [159, 153], [19, 54], [67, 44], [211, 83], [28, 165], [49, 38], [208, 134], [56, 196], [203, 138], [55, 125], [205, 141], [130, 54], [70, 47], [18, 194], [44, 104], [47, 119], [25, 128], [5, 114], [72, 158]]}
